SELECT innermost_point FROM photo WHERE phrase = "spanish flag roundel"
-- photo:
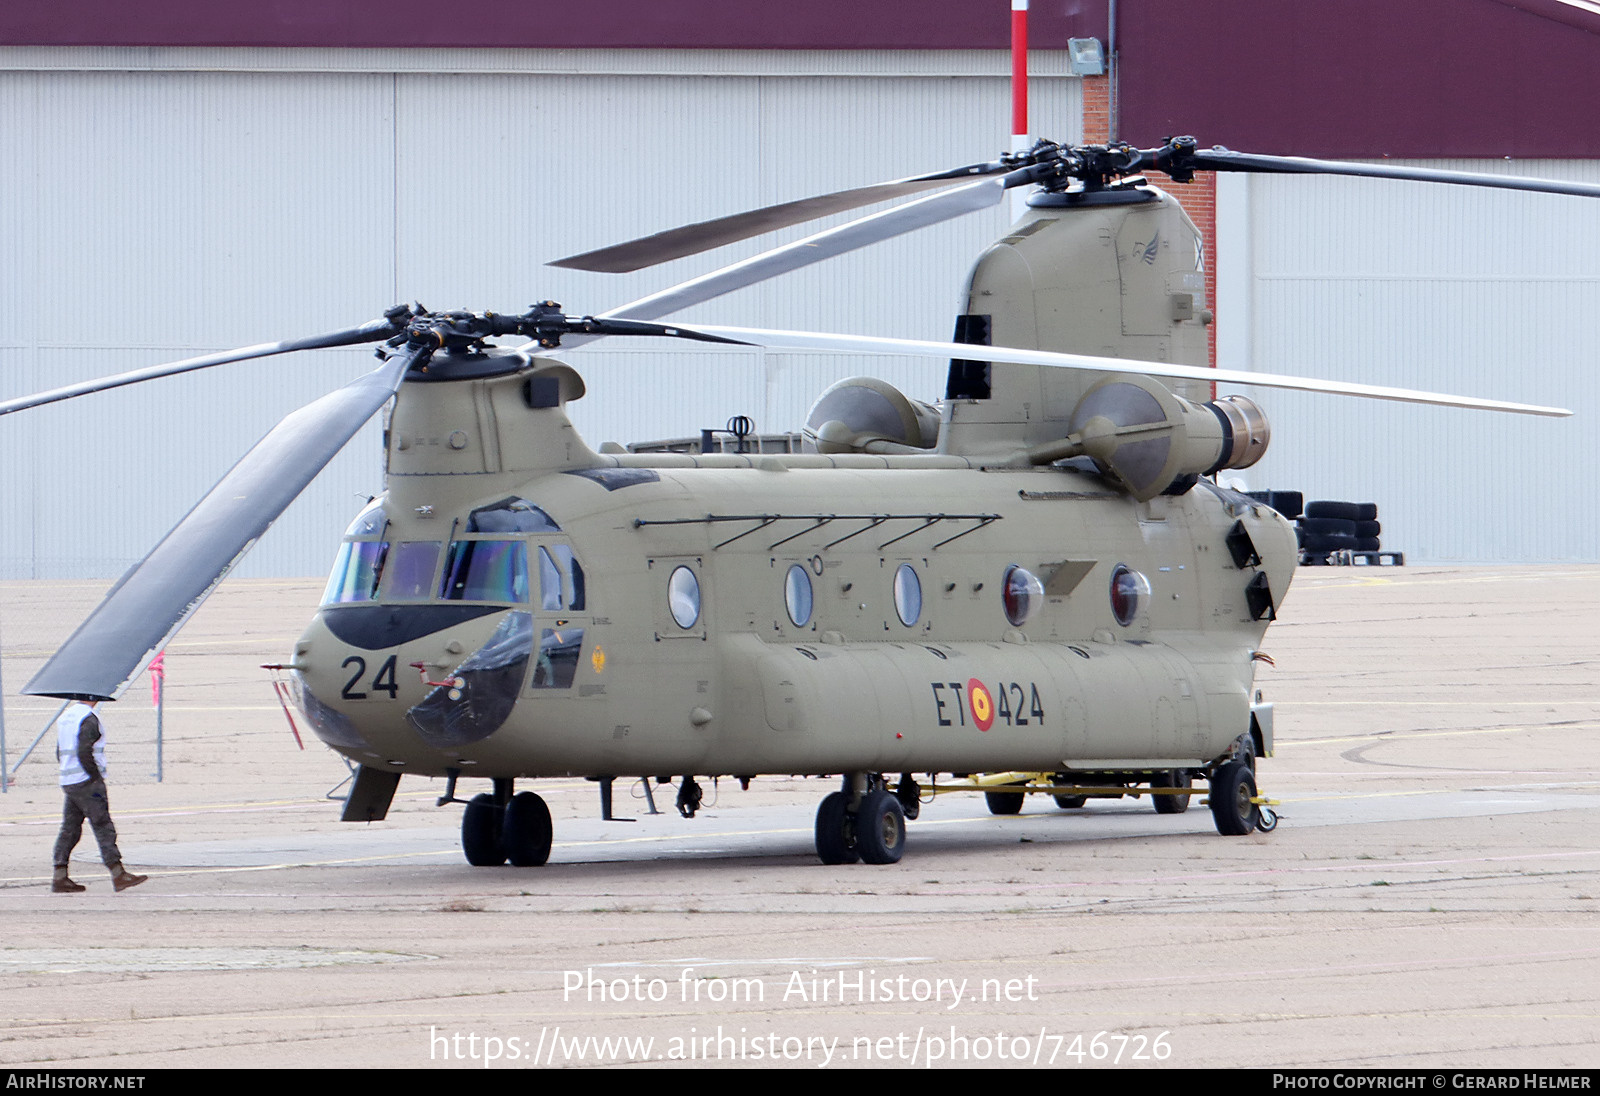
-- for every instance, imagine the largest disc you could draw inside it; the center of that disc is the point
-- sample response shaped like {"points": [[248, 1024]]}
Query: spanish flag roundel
{"points": [[981, 703]]}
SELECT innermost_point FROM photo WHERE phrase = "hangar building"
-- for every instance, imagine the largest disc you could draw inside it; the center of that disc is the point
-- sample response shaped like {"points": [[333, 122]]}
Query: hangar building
{"points": [[182, 177]]}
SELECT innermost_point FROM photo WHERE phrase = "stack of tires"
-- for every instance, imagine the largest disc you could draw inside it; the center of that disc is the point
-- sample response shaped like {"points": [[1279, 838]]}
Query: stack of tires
{"points": [[1329, 531]]}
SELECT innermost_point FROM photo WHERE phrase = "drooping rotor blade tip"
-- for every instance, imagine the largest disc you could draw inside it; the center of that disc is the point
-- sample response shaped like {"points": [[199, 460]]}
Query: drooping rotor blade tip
{"points": [[393, 321]]}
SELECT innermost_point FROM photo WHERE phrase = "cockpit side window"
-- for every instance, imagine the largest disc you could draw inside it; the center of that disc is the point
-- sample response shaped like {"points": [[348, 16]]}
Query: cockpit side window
{"points": [[561, 584], [557, 661], [486, 570]]}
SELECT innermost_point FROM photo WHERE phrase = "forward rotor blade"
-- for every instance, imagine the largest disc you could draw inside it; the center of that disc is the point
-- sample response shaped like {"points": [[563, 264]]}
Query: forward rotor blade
{"points": [[156, 596], [1221, 159], [692, 239], [804, 340], [372, 331]]}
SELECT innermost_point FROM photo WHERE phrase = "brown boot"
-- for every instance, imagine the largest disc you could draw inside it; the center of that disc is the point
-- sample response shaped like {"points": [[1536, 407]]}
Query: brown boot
{"points": [[122, 879], [60, 884]]}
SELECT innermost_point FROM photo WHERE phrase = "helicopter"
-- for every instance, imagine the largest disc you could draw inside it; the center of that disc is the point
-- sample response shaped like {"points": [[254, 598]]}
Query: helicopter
{"points": [[1036, 581]]}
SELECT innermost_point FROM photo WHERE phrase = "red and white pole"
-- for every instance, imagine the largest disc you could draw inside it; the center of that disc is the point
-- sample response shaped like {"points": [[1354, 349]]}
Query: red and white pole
{"points": [[1019, 95]]}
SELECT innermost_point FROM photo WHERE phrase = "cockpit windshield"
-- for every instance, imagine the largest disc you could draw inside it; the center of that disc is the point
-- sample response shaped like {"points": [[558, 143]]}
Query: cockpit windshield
{"points": [[493, 567], [356, 572], [413, 569], [486, 570]]}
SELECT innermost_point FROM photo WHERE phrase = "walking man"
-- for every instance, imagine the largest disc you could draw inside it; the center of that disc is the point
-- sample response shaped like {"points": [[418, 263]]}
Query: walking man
{"points": [[81, 752]]}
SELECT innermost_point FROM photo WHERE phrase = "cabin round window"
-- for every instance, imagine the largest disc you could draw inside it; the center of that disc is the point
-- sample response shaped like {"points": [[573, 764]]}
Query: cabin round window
{"points": [[1022, 593], [907, 594], [683, 597], [1130, 593], [797, 595]]}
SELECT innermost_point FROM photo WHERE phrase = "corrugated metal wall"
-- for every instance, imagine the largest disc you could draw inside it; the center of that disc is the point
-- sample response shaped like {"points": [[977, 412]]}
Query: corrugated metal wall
{"points": [[1454, 289], [164, 203]]}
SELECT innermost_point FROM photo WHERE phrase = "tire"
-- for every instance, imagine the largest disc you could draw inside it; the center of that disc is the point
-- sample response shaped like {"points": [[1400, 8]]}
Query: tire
{"points": [[1004, 802], [526, 833], [881, 828], [1369, 528], [1328, 527], [1323, 543], [1291, 504], [1322, 508], [1070, 802], [480, 832], [1232, 788], [836, 838], [1171, 778]]}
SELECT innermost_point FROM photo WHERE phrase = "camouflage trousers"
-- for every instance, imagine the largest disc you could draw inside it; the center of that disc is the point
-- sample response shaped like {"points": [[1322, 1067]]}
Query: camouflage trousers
{"points": [[87, 800]]}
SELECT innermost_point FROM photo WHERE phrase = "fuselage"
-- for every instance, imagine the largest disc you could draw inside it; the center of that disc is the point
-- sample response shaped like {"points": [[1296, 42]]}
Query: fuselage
{"points": [[518, 605]]}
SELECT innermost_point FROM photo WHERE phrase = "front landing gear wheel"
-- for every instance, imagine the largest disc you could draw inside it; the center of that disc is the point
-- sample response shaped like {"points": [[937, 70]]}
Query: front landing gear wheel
{"points": [[526, 833], [1172, 778], [836, 835], [881, 828], [1233, 786], [480, 832]]}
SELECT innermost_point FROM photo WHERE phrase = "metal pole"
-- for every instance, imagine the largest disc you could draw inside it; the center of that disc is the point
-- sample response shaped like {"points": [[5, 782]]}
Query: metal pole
{"points": [[1019, 96], [5, 776], [47, 727], [1113, 92], [161, 707]]}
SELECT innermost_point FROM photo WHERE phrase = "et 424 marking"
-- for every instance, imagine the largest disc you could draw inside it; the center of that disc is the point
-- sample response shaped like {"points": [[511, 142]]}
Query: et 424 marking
{"points": [[1016, 703]]}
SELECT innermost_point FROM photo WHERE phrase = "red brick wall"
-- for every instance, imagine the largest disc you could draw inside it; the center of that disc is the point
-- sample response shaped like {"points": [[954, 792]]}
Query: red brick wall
{"points": [[1199, 198]]}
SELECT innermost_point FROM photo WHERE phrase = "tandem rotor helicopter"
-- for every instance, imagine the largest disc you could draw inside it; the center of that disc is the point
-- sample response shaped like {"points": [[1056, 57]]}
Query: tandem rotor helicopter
{"points": [[1035, 581]]}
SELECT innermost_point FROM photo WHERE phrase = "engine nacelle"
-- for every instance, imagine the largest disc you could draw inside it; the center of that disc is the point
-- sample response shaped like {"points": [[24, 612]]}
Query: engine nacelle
{"points": [[864, 414], [1153, 441]]}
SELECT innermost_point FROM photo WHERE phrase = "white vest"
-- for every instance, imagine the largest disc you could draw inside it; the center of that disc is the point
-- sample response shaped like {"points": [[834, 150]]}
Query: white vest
{"points": [[72, 771]]}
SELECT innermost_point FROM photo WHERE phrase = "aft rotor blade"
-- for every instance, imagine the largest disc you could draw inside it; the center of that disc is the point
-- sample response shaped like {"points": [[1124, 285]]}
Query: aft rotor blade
{"points": [[805, 340], [1221, 159], [372, 331], [156, 596], [692, 239], [862, 232]]}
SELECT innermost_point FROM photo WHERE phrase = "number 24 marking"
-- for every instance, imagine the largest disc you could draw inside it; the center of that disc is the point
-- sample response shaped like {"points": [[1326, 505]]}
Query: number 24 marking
{"points": [[382, 682]]}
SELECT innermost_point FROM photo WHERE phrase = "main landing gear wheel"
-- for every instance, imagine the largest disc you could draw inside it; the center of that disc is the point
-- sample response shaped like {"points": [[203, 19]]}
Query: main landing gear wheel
{"points": [[836, 834], [1171, 778], [480, 832], [1233, 786], [1067, 802], [1004, 802], [881, 828], [526, 832]]}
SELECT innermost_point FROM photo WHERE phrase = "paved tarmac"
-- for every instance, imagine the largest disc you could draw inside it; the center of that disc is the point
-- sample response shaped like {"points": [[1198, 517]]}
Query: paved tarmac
{"points": [[1428, 901]]}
